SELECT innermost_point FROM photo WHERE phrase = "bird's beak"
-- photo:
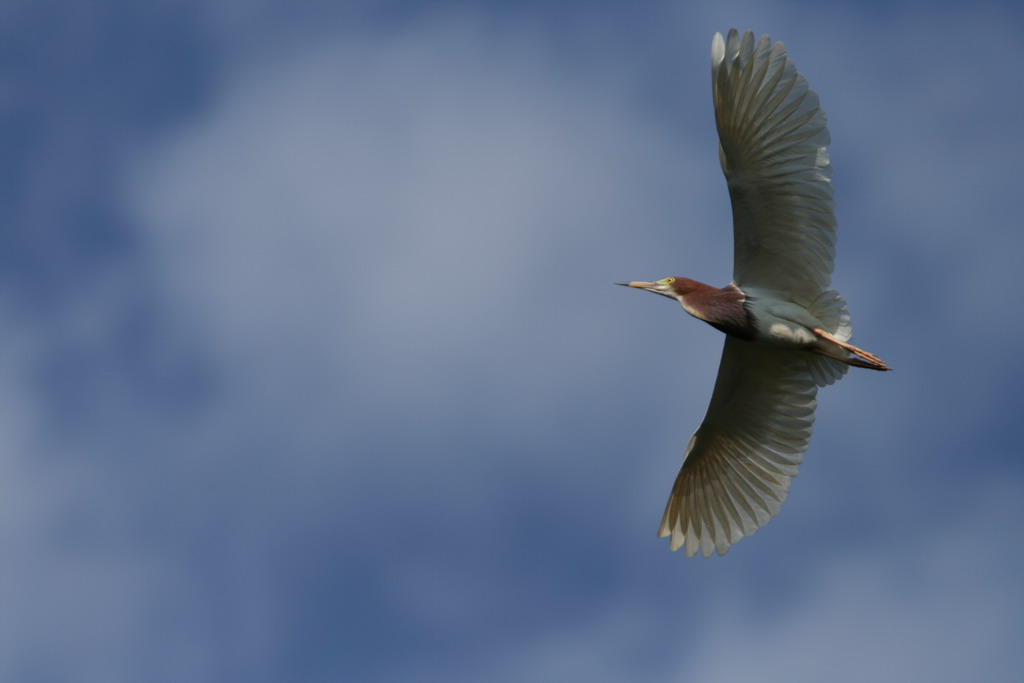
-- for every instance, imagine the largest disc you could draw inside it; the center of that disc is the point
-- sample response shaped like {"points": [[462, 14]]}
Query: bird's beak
{"points": [[653, 287]]}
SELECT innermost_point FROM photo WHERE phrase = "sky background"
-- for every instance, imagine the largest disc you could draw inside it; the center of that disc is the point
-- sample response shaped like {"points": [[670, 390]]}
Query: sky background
{"points": [[313, 370]]}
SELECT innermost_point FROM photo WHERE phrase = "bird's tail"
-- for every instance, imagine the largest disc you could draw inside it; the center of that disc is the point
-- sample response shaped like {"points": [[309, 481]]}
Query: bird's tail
{"points": [[830, 309]]}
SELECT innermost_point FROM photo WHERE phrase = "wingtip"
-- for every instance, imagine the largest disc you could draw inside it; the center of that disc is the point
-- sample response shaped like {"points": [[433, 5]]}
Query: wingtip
{"points": [[717, 49]]}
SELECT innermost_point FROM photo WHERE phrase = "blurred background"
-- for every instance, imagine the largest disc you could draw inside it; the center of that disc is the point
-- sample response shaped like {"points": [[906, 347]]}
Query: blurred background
{"points": [[313, 370]]}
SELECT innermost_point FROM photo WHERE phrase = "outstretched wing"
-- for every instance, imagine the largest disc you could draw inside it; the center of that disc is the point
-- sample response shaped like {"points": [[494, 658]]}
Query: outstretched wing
{"points": [[738, 465], [774, 154]]}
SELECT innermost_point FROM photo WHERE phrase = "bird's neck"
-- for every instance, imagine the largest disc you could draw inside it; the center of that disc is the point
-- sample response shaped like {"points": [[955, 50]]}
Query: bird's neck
{"points": [[720, 307]]}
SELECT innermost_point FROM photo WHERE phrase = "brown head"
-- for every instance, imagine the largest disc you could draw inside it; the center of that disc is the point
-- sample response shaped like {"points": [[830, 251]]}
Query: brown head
{"points": [[672, 287]]}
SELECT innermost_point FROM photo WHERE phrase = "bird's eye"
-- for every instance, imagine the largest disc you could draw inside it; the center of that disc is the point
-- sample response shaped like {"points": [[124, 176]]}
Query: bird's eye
{"points": [[669, 280]]}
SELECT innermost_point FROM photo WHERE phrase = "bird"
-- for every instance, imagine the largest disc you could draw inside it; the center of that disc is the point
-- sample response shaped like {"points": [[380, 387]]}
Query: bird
{"points": [[787, 333]]}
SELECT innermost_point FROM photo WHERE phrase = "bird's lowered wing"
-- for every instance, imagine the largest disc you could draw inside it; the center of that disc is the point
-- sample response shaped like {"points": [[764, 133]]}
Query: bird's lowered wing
{"points": [[738, 465], [773, 148]]}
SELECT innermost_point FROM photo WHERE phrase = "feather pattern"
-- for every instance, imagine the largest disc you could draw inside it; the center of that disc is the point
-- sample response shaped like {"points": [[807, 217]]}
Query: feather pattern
{"points": [[830, 309], [774, 155], [738, 465]]}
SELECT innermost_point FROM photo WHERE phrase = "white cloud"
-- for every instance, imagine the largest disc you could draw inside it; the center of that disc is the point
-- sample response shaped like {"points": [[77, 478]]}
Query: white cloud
{"points": [[413, 215]]}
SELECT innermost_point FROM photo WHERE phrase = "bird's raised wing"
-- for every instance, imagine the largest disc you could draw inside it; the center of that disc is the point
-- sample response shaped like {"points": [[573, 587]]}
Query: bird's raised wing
{"points": [[774, 154], [738, 465]]}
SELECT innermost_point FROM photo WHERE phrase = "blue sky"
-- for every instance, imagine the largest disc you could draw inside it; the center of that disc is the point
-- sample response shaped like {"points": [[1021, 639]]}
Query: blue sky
{"points": [[313, 369]]}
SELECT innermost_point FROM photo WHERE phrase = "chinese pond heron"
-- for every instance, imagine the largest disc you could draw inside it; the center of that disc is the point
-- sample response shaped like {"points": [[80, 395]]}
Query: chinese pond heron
{"points": [[787, 333]]}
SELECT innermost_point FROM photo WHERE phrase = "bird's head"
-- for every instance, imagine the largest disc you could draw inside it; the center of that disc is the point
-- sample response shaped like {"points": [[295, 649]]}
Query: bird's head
{"points": [[669, 287]]}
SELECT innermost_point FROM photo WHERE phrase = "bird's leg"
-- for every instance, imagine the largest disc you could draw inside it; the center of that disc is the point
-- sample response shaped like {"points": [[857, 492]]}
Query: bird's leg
{"points": [[872, 361]]}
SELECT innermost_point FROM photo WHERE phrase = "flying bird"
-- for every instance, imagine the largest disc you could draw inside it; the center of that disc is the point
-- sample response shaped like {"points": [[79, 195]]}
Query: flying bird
{"points": [[787, 333]]}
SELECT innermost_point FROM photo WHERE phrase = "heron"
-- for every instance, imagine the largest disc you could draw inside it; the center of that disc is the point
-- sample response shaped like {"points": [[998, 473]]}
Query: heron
{"points": [[787, 333]]}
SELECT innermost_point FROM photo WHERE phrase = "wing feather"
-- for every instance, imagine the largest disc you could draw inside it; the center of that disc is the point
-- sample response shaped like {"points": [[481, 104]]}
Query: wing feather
{"points": [[738, 465], [773, 149]]}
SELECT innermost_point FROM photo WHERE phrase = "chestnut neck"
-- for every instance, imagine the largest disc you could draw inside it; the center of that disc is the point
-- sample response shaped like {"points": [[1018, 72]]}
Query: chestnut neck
{"points": [[720, 307]]}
